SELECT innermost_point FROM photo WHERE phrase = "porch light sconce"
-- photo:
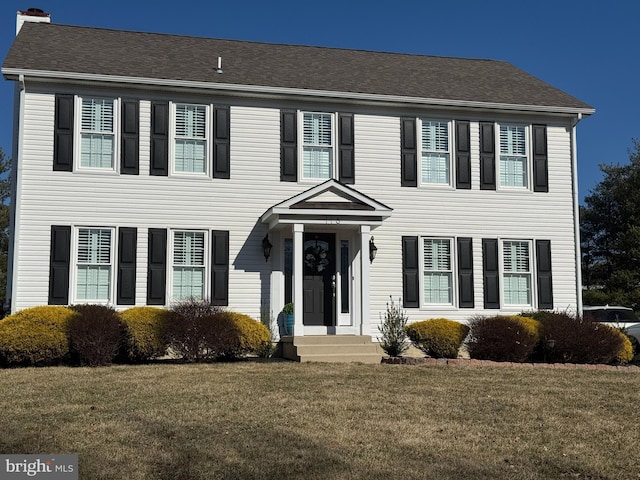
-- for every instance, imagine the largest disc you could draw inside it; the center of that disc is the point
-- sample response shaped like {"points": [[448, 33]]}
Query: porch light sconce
{"points": [[266, 247], [373, 250]]}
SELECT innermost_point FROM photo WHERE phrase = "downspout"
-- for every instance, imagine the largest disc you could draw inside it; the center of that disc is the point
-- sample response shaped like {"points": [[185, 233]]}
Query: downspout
{"points": [[576, 212]]}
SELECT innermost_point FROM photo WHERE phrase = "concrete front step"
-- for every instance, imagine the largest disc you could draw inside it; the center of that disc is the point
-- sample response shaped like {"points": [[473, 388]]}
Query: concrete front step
{"points": [[331, 348]]}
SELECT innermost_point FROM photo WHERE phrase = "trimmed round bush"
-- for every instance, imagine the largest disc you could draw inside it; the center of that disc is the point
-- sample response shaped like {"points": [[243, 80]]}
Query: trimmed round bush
{"points": [[566, 338], [438, 337], [143, 339], [35, 336], [503, 338], [95, 334], [239, 335]]}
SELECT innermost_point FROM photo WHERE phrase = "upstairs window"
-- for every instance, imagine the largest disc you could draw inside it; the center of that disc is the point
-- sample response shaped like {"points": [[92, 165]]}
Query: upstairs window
{"points": [[94, 264], [513, 156], [436, 153], [437, 271], [516, 268], [190, 147], [97, 133], [317, 146], [188, 265]]}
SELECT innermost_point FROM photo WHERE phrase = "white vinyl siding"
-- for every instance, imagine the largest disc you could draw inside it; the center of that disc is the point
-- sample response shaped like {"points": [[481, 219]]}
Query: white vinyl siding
{"points": [[94, 264], [436, 157], [188, 275], [318, 146], [190, 143], [513, 156], [437, 271], [97, 133], [516, 267]]}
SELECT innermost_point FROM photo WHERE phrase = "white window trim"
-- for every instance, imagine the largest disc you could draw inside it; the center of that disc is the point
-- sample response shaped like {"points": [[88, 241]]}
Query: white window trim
{"points": [[74, 266], [77, 135], [532, 273], [207, 139], [454, 276], [170, 265], [334, 156], [450, 128], [528, 149]]}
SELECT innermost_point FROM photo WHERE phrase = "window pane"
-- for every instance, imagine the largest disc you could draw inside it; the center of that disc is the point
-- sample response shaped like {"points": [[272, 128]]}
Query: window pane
{"points": [[188, 248], [96, 151], [317, 129], [513, 156], [513, 171], [437, 288], [513, 140], [516, 256], [94, 282], [435, 168], [190, 156], [437, 254], [93, 273], [435, 136], [517, 289], [188, 282], [435, 152], [437, 275], [97, 115], [517, 275], [344, 276], [94, 245], [191, 121], [317, 162]]}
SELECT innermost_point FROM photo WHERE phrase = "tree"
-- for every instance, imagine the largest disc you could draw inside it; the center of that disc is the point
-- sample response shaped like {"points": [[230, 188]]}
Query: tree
{"points": [[610, 235], [5, 194]]}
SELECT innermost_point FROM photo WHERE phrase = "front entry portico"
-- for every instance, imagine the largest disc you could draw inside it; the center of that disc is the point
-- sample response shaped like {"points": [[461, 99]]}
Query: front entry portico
{"points": [[320, 258]]}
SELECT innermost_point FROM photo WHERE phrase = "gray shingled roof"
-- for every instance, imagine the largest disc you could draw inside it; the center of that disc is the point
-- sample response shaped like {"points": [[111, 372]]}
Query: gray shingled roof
{"points": [[83, 50]]}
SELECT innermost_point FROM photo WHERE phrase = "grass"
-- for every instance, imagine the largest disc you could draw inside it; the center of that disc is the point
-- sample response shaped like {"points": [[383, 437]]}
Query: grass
{"points": [[253, 420]]}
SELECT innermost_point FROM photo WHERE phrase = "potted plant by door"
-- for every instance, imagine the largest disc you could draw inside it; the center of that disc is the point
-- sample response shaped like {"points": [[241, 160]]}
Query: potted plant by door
{"points": [[287, 312]]}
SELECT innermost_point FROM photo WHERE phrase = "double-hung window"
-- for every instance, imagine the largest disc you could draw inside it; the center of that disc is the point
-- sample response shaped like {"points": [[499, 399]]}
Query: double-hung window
{"points": [[516, 270], [94, 264], [437, 271], [188, 265], [317, 145], [513, 156], [435, 152], [97, 133], [190, 138]]}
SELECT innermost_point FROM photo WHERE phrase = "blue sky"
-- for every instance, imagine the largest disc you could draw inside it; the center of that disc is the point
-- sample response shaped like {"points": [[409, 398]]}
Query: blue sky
{"points": [[587, 48]]}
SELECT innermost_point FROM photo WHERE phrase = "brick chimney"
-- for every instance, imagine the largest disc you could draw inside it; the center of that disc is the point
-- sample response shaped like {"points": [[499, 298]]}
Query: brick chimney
{"points": [[31, 15]]}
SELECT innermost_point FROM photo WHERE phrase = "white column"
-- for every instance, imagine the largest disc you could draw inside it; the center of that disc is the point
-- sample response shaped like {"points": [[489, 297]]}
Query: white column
{"points": [[298, 245], [365, 236]]}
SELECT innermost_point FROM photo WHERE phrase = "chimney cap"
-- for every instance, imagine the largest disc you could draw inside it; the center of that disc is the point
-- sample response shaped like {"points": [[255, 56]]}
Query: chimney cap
{"points": [[34, 12]]}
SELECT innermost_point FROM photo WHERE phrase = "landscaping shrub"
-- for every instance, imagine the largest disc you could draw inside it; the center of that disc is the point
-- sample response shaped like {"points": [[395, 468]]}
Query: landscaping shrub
{"points": [[189, 330], [625, 354], [438, 337], [95, 334], [238, 335], [143, 339], [503, 338], [567, 338], [35, 336], [393, 339]]}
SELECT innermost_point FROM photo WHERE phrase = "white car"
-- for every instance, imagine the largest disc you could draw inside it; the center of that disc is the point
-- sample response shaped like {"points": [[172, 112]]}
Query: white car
{"points": [[623, 318]]}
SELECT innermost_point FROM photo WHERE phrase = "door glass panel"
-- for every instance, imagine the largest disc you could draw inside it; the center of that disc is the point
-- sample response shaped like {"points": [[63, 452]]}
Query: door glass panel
{"points": [[344, 276]]}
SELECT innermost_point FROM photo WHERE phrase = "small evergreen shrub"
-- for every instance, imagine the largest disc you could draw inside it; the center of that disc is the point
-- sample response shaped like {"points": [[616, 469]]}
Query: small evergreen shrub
{"points": [[503, 338], [35, 336], [625, 354], [393, 339], [189, 330], [567, 338], [238, 335], [438, 337], [143, 339], [95, 334]]}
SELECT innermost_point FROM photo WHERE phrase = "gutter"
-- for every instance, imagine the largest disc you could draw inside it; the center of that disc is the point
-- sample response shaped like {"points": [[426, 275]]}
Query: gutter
{"points": [[576, 212], [260, 90]]}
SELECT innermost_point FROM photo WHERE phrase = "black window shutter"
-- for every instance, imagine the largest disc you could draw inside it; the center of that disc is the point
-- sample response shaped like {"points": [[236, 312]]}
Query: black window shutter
{"points": [[540, 159], [465, 272], [63, 134], [157, 267], [289, 146], [491, 273], [130, 152], [487, 156], [463, 155], [220, 267], [127, 246], [159, 139], [408, 152], [221, 142], [59, 260], [543, 271], [346, 148], [410, 273]]}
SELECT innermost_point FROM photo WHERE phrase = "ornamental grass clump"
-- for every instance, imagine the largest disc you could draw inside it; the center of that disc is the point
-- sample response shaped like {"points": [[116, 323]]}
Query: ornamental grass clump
{"points": [[393, 337], [35, 336], [503, 338], [95, 335], [143, 339], [438, 337]]}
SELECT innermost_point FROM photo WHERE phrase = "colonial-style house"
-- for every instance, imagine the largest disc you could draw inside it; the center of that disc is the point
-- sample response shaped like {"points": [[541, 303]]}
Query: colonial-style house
{"points": [[150, 168]]}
